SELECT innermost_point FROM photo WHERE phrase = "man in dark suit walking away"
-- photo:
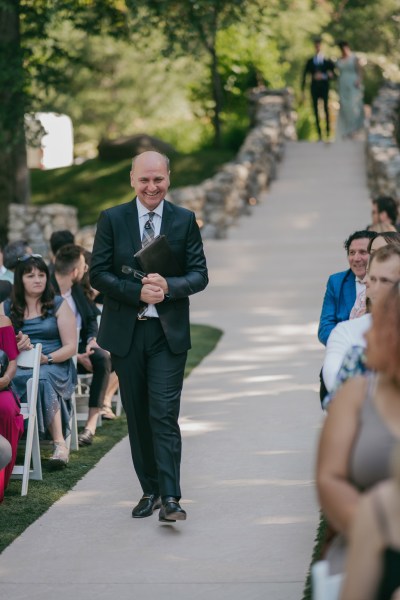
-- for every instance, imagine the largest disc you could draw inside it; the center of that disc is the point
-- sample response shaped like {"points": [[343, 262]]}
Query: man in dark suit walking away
{"points": [[321, 71], [145, 325]]}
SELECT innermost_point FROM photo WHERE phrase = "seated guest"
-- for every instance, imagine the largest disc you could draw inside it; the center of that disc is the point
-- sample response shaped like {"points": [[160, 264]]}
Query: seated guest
{"points": [[384, 214], [93, 296], [361, 429], [58, 239], [5, 274], [379, 241], [383, 239], [69, 269], [343, 288], [46, 319], [383, 272], [372, 567], [11, 421], [11, 252], [5, 453]]}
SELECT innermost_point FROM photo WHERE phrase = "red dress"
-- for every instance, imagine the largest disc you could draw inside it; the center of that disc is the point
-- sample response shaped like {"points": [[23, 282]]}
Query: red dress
{"points": [[11, 421]]}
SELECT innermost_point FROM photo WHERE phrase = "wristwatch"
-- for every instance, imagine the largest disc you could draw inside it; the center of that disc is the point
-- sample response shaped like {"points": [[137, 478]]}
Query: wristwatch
{"points": [[50, 359]]}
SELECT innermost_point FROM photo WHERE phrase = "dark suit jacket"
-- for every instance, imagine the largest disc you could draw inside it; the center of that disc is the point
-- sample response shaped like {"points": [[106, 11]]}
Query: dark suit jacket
{"points": [[339, 299], [86, 309], [117, 239], [311, 69]]}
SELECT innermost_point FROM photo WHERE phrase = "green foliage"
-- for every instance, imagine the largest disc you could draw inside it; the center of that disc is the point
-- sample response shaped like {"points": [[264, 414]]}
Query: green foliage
{"points": [[96, 185], [18, 512]]}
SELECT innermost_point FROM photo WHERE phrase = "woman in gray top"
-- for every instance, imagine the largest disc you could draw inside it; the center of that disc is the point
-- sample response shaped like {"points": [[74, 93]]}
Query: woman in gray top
{"points": [[362, 428]]}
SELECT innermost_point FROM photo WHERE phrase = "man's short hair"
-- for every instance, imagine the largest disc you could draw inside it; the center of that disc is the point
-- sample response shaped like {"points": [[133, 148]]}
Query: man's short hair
{"points": [[67, 258], [385, 253], [12, 251], [61, 238], [389, 205], [359, 235]]}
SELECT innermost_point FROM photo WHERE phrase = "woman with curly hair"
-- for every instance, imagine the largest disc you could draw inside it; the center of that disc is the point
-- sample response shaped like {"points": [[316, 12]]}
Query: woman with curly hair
{"points": [[46, 319]]}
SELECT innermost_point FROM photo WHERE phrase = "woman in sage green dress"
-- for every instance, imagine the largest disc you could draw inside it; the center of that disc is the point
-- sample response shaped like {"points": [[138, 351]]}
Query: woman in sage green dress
{"points": [[351, 114]]}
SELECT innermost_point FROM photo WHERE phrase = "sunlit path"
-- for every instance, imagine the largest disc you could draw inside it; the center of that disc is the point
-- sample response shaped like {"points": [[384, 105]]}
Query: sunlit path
{"points": [[250, 420]]}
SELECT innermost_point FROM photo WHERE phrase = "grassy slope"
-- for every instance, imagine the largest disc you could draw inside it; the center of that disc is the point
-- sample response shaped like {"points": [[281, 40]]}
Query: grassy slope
{"points": [[17, 512]]}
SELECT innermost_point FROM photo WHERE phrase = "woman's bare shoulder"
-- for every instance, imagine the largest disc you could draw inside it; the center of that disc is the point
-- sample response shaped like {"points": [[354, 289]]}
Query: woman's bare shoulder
{"points": [[4, 320]]}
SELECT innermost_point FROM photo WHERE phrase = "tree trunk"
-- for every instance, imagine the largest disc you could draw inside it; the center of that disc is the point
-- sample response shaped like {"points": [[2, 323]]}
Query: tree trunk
{"points": [[14, 174], [217, 97]]}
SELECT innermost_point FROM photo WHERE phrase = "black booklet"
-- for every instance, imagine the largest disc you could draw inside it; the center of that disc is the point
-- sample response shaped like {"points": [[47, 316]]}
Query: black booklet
{"points": [[157, 257]]}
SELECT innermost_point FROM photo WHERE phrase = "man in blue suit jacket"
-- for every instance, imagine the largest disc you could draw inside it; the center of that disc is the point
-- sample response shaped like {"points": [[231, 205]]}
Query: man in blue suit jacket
{"points": [[341, 289]]}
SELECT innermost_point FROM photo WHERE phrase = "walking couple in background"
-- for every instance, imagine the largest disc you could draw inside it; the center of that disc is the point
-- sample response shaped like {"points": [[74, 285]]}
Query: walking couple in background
{"points": [[347, 70]]}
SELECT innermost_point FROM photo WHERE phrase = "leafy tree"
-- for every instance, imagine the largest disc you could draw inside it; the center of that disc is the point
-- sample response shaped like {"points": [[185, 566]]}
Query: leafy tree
{"points": [[30, 56], [192, 26]]}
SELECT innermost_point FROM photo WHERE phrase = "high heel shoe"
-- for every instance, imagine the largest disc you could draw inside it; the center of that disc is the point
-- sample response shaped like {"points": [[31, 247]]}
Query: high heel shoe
{"points": [[60, 456]]}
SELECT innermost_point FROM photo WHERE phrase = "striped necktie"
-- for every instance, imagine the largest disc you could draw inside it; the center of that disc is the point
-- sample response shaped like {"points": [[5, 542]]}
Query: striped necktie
{"points": [[148, 230]]}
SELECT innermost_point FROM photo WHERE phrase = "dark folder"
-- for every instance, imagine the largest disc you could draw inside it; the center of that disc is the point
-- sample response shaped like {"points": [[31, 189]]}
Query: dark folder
{"points": [[157, 257]]}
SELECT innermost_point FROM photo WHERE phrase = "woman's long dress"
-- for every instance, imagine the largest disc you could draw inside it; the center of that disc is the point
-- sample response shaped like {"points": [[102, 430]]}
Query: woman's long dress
{"points": [[11, 421], [351, 112], [56, 381]]}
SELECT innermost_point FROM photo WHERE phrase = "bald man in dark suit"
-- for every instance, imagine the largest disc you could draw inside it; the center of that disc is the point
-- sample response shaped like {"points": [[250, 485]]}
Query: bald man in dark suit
{"points": [[145, 326]]}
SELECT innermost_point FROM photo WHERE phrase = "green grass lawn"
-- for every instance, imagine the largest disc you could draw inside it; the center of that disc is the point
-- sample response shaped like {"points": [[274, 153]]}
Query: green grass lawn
{"points": [[17, 512], [95, 185], [316, 555]]}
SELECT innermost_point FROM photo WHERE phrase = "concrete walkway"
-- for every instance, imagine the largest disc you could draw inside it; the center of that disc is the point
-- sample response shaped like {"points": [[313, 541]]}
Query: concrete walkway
{"points": [[250, 420]]}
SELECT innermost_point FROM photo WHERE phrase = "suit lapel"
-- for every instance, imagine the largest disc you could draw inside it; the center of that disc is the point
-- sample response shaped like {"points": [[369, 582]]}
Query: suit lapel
{"points": [[167, 218], [131, 221]]}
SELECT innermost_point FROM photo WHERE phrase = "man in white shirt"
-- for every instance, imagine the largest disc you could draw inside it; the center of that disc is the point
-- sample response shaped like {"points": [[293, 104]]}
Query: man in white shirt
{"points": [[383, 273]]}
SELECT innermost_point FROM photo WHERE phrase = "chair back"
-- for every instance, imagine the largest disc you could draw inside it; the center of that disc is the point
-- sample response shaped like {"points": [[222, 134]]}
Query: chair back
{"points": [[325, 586], [30, 359]]}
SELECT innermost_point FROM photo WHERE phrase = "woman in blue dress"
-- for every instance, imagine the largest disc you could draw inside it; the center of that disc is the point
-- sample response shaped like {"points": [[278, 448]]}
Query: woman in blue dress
{"points": [[46, 319]]}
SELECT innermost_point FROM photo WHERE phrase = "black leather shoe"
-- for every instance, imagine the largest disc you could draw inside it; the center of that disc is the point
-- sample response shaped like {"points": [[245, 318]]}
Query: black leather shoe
{"points": [[171, 510], [147, 504]]}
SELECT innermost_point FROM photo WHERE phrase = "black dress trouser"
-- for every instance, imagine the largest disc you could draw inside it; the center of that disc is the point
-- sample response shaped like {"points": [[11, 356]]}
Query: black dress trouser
{"points": [[151, 379], [320, 90]]}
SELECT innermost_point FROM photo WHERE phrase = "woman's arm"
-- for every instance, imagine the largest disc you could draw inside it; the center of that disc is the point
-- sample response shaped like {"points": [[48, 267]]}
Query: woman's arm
{"points": [[66, 323], [364, 561], [8, 375], [338, 497]]}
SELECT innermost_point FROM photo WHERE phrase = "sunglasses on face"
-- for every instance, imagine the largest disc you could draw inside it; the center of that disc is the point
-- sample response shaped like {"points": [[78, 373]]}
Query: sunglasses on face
{"points": [[28, 256]]}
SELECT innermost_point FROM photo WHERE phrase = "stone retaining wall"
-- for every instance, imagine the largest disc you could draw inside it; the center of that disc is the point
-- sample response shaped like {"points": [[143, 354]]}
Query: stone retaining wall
{"points": [[383, 153], [217, 202]]}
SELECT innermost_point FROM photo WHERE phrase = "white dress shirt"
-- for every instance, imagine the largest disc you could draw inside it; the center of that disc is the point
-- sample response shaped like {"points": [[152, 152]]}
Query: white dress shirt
{"points": [[345, 335], [143, 214]]}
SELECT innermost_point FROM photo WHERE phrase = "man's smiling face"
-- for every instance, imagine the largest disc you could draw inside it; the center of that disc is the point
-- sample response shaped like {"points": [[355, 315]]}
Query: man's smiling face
{"points": [[150, 178]]}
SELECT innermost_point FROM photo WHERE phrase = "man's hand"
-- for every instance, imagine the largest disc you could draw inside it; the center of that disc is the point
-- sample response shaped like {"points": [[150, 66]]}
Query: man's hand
{"points": [[157, 280], [23, 342], [90, 345], [151, 294], [84, 360]]}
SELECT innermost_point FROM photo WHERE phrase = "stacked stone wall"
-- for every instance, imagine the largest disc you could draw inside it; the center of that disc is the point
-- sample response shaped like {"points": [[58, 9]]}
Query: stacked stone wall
{"points": [[217, 202], [383, 153]]}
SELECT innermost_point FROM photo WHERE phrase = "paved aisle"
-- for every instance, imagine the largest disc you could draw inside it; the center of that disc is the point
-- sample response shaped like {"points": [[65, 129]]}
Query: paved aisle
{"points": [[250, 419]]}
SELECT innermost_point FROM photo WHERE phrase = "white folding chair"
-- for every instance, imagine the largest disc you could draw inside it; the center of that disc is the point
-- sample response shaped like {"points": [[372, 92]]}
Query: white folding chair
{"points": [[325, 586], [72, 439], [30, 359], [116, 399]]}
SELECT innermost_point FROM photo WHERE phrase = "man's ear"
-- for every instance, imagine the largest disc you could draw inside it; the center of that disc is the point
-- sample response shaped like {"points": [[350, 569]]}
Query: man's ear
{"points": [[383, 216]]}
